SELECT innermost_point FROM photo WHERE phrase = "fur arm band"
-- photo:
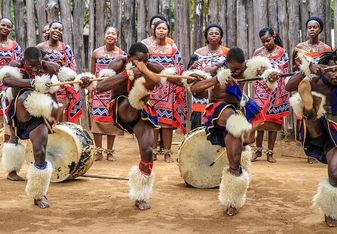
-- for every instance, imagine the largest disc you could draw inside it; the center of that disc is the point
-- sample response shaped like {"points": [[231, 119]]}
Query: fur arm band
{"points": [[296, 103], [223, 75], [41, 84], [85, 74], [66, 74], [128, 70], [167, 71], [198, 72], [254, 64], [305, 64], [237, 125], [266, 77], [8, 71], [137, 92]]}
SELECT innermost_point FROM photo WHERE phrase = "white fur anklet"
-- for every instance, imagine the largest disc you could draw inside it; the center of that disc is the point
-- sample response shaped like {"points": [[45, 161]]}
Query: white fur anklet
{"points": [[39, 104], [237, 125], [326, 199], [233, 189], [38, 181], [254, 64], [12, 157], [137, 92], [8, 71], [140, 185]]}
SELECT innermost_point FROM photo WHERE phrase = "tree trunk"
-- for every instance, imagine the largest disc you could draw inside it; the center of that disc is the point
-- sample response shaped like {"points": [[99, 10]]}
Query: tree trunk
{"points": [[41, 17], [166, 10], [260, 20], [66, 19], [223, 20], [116, 16], [198, 23], [31, 33], [283, 22], [91, 30], [304, 9], [20, 29], [129, 23], [6, 11], [294, 27], [316, 9], [213, 14], [272, 15], [231, 24], [141, 10], [100, 8], [327, 22], [52, 10], [251, 32], [153, 9], [242, 41], [335, 23]]}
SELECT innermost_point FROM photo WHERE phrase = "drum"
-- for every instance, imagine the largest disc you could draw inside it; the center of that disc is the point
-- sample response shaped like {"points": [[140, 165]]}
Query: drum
{"points": [[195, 155], [69, 151]]}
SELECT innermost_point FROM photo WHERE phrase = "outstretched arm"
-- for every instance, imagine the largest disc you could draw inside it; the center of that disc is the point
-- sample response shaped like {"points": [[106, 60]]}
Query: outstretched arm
{"points": [[203, 85]]}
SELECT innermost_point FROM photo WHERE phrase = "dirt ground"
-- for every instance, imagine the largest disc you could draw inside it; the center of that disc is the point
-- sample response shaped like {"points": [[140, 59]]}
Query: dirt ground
{"points": [[278, 200]]}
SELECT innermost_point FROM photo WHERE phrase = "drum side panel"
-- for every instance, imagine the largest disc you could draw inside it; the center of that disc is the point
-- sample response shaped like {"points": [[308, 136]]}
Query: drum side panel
{"points": [[195, 155]]}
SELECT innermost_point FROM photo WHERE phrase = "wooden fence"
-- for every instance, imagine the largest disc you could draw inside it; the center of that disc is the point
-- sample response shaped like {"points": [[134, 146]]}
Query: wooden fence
{"points": [[240, 19]]}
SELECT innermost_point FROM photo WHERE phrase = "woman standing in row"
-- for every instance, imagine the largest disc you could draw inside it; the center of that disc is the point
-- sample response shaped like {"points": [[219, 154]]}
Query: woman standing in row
{"points": [[169, 99], [102, 123]]}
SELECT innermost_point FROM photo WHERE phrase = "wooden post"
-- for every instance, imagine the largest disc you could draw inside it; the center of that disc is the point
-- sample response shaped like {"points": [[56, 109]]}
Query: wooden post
{"points": [[52, 10], [316, 9], [294, 26], [260, 20], [327, 22], [283, 22], [116, 16], [41, 17], [100, 9], [231, 24], [31, 33], [153, 9], [66, 19], [6, 11], [166, 10], [272, 15], [304, 12], [335, 24], [213, 13], [242, 40], [20, 29], [129, 23], [141, 10], [198, 23], [91, 30], [223, 20], [251, 31]]}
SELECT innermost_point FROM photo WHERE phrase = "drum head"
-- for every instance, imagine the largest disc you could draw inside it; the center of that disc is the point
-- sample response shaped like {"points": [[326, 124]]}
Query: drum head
{"points": [[64, 151], [194, 158]]}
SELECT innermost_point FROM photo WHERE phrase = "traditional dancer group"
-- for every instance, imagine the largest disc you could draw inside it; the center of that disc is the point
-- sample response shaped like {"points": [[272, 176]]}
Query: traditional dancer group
{"points": [[136, 100]]}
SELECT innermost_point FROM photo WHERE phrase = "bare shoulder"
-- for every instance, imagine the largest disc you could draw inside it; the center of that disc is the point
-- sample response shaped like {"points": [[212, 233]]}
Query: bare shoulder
{"points": [[96, 52], [301, 45], [118, 63], [258, 51], [155, 67], [147, 41], [41, 46], [201, 51]]}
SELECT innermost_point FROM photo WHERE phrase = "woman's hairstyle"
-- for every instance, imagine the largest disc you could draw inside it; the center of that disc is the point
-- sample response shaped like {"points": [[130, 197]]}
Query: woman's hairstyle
{"points": [[269, 31], [213, 26], [108, 27], [161, 22], [157, 17], [51, 24], [318, 20]]}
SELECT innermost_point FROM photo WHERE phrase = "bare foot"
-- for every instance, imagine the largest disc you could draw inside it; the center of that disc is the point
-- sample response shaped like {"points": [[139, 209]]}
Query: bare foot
{"points": [[232, 211], [330, 221], [142, 205], [167, 158], [256, 155], [111, 158], [14, 177], [312, 160], [271, 159], [41, 203], [304, 89], [98, 156]]}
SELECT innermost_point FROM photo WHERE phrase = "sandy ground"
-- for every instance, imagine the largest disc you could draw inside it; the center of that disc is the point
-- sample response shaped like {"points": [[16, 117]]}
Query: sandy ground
{"points": [[278, 200]]}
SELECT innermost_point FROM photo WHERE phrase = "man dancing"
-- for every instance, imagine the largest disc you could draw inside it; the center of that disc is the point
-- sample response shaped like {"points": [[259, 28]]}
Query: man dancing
{"points": [[28, 115], [130, 89], [227, 126], [316, 103]]}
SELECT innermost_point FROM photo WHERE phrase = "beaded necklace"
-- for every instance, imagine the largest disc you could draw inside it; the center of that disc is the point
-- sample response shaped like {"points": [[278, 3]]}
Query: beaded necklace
{"points": [[4, 44], [108, 54], [312, 48], [51, 50], [272, 53], [159, 50], [211, 53]]}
